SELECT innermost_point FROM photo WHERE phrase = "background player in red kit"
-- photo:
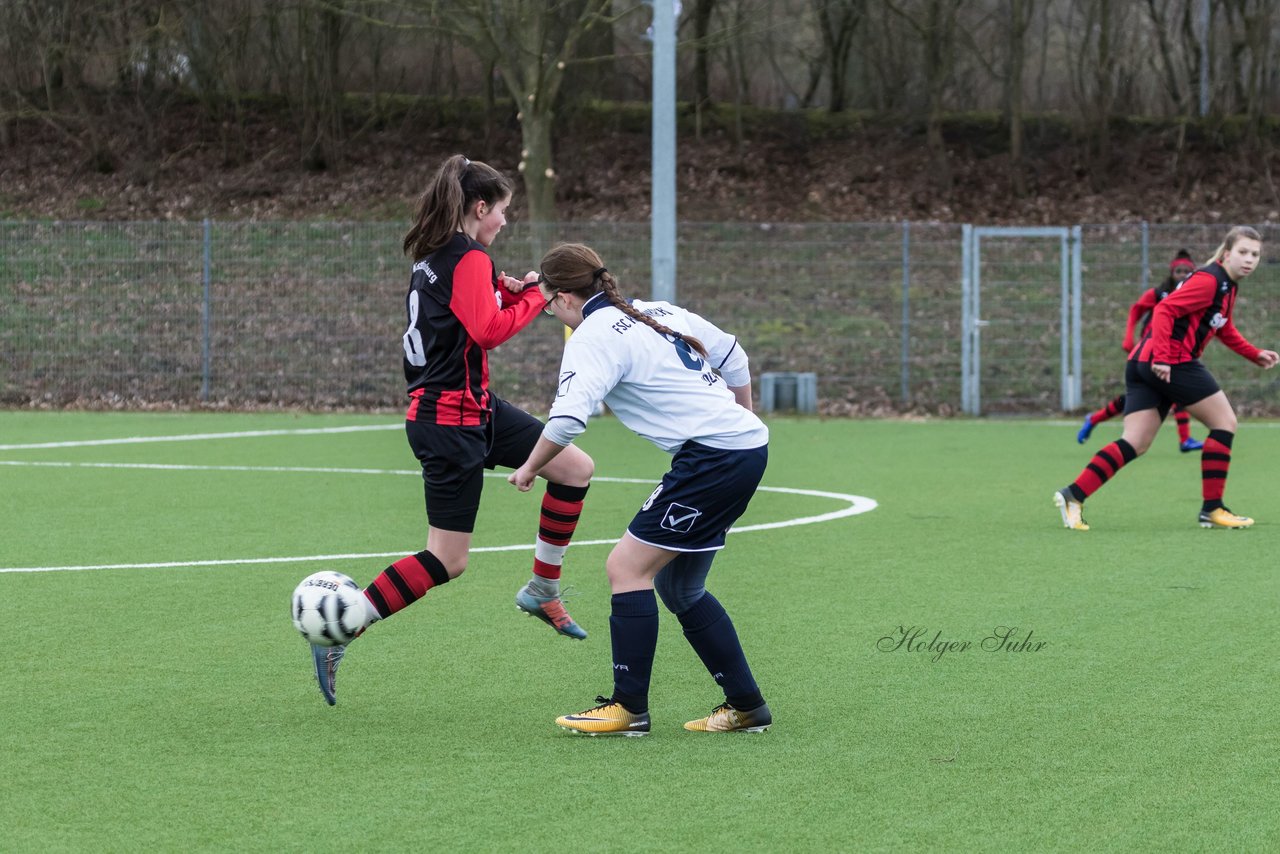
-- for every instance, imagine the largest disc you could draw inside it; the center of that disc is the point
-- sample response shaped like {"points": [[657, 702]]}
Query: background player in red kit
{"points": [[1140, 313], [459, 308], [1165, 369]]}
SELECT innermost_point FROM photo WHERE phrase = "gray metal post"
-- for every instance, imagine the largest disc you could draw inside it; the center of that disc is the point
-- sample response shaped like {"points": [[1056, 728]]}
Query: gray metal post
{"points": [[1077, 284], [966, 318], [663, 226], [206, 310], [1064, 268], [906, 312]]}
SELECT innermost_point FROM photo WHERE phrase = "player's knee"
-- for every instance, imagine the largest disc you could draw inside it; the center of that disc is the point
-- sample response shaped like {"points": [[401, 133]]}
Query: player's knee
{"points": [[584, 469], [1139, 445], [676, 597]]}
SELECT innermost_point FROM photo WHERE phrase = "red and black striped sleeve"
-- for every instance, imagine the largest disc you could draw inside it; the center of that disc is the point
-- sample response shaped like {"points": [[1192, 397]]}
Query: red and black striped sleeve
{"points": [[1137, 312], [1190, 300]]}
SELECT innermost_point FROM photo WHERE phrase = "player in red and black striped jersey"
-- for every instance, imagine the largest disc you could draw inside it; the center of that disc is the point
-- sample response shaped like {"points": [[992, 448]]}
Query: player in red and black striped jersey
{"points": [[1165, 369], [1140, 314], [459, 307]]}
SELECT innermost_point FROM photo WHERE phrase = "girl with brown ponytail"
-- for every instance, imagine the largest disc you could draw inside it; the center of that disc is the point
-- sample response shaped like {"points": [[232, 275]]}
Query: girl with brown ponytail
{"points": [[458, 308]]}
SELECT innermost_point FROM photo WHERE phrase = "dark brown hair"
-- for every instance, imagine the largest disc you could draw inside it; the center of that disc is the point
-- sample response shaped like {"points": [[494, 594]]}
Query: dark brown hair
{"points": [[458, 184], [575, 268]]}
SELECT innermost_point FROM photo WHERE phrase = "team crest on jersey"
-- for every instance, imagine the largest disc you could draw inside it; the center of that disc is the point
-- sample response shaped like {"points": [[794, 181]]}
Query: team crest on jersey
{"points": [[679, 518], [565, 379], [1217, 321], [1223, 287]]}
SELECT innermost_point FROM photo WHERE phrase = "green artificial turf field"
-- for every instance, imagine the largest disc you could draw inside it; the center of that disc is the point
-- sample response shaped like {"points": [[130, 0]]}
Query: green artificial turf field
{"points": [[154, 695]]}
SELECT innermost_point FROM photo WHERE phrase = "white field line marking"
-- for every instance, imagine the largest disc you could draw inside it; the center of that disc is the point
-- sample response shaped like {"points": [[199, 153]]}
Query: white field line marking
{"points": [[857, 504], [200, 437]]}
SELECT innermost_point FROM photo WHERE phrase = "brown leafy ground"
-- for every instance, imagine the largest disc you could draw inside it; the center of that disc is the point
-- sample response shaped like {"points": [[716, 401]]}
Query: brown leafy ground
{"points": [[788, 169]]}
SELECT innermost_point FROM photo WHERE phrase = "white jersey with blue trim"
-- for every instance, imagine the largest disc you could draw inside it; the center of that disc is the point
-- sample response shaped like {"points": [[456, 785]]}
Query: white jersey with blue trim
{"points": [[658, 387]]}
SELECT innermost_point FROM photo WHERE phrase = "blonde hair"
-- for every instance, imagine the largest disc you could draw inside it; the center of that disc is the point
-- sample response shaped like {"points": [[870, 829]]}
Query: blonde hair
{"points": [[576, 268], [1232, 238]]}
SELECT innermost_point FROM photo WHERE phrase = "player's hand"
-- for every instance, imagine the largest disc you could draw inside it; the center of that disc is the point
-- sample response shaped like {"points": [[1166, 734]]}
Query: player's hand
{"points": [[1268, 359], [522, 479], [511, 284], [1162, 372]]}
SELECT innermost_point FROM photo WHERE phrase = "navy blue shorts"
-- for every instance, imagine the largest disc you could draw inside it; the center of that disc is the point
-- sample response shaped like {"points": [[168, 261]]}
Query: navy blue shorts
{"points": [[454, 459], [701, 497], [1189, 383]]}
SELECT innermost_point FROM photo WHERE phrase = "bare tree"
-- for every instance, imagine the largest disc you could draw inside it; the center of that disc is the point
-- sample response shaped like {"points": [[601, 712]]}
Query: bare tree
{"points": [[1177, 88], [934, 23], [530, 44], [838, 22], [702, 11], [1019, 14]]}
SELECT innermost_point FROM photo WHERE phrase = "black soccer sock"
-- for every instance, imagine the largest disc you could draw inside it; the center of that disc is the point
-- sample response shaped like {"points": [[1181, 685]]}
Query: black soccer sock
{"points": [[710, 632], [633, 631]]}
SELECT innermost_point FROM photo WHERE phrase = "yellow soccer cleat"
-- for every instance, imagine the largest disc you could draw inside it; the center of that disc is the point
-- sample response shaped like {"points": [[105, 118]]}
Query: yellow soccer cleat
{"points": [[725, 718], [608, 718], [1072, 511], [1221, 517]]}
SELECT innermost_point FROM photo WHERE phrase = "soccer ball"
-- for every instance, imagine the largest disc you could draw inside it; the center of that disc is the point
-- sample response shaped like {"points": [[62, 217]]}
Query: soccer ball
{"points": [[328, 608]]}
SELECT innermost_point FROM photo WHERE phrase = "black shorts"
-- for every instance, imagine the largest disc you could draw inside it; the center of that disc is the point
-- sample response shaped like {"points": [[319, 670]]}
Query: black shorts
{"points": [[1189, 383], [705, 492], [453, 460]]}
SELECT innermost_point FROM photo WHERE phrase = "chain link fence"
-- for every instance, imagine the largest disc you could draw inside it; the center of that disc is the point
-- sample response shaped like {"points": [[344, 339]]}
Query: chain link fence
{"points": [[310, 314]]}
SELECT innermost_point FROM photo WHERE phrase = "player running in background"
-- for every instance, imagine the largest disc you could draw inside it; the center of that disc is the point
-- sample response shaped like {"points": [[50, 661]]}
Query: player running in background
{"points": [[1165, 369], [1140, 313], [680, 382], [459, 308]]}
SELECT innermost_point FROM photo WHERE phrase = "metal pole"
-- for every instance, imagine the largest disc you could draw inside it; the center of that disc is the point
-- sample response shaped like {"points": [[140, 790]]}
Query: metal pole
{"points": [[205, 311], [1077, 283], [664, 151], [906, 312], [966, 318], [1064, 266]]}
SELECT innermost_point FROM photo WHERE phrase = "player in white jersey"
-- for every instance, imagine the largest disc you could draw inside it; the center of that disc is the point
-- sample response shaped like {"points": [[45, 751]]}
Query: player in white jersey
{"points": [[682, 383]]}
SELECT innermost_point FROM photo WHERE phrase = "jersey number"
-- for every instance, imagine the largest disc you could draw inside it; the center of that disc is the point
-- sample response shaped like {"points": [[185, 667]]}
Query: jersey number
{"points": [[413, 352], [694, 362], [690, 359]]}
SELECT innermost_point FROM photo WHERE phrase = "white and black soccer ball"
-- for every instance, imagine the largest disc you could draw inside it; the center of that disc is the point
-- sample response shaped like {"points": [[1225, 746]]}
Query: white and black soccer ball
{"points": [[328, 608]]}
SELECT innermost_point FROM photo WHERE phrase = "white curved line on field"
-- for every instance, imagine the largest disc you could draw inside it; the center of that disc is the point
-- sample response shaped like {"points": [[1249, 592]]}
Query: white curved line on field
{"points": [[856, 504], [200, 437]]}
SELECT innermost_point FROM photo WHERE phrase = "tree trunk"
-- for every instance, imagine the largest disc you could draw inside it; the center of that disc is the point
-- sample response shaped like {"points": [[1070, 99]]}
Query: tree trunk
{"points": [[539, 177], [1019, 17], [702, 10]]}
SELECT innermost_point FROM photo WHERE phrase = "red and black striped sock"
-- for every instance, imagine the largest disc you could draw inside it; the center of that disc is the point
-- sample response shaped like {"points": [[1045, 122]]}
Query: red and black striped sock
{"points": [[1102, 468], [1215, 459], [405, 582], [561, 507], [1184, 424], [1111, 410]]}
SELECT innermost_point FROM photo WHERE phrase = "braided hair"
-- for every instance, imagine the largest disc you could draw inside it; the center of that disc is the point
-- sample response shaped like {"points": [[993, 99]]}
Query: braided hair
{"points": [[577, 269]]}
